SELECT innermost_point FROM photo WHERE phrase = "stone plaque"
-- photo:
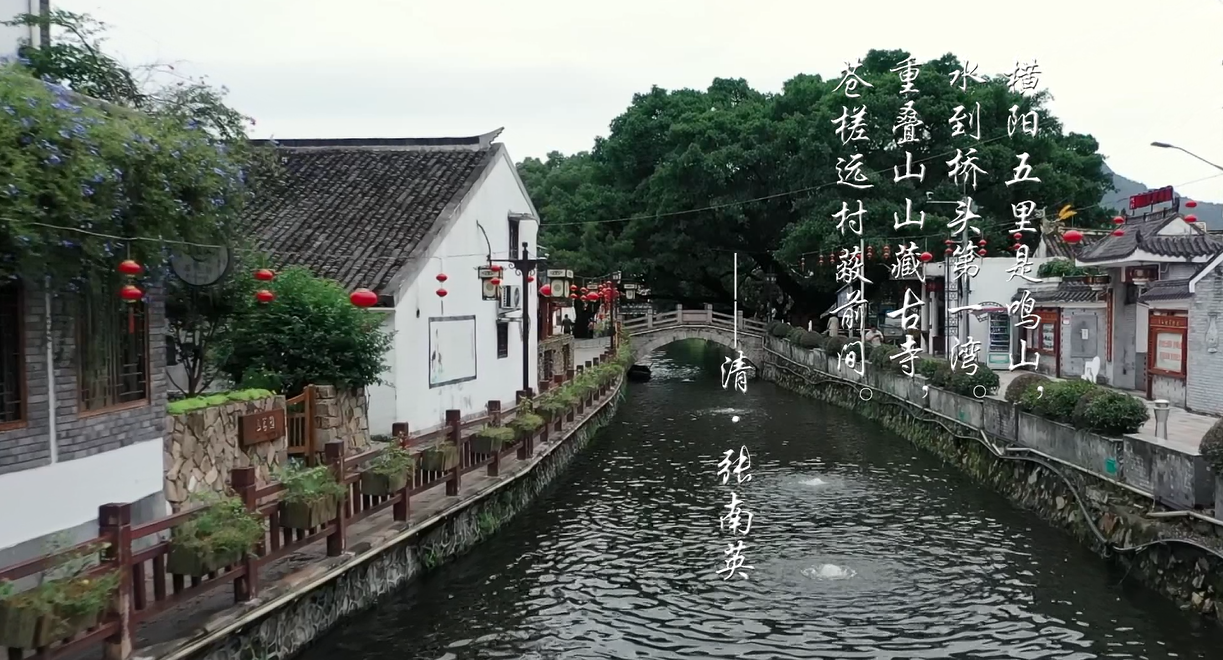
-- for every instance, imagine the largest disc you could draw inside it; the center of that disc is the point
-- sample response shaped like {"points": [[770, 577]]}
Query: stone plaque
{"points": [[261, 427]]}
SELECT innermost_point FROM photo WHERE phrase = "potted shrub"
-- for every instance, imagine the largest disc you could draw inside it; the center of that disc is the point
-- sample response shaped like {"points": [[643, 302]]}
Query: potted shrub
{"points": [[526, 422], [311, 496], [490, 439], [220, 535], [441, 457], [67, 600], [388, 472]]}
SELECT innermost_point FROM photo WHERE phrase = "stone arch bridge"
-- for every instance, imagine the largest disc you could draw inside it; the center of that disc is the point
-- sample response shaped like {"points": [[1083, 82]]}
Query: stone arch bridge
{"points": [[653, 331]]}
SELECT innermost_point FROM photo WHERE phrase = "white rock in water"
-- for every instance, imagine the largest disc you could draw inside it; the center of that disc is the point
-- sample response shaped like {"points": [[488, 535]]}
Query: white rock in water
{"points": [[735, 418]]}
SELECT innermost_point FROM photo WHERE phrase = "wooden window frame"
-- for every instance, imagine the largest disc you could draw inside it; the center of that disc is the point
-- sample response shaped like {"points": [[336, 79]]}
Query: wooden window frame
{"points": [[503, 349], [1166, 322], [82, 410], [23, 412]]}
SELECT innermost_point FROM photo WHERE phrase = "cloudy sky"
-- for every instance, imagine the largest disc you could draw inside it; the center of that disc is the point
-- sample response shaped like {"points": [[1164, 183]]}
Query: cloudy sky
{"points": [[554, 73]]}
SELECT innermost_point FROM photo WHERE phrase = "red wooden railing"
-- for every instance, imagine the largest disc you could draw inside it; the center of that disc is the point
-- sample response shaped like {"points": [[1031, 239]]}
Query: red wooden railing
{"points": [[147, 589]]}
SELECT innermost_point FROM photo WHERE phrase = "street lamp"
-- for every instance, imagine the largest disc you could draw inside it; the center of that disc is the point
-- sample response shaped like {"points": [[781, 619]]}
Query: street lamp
{"points": [[1165, 145], [524, 265]]}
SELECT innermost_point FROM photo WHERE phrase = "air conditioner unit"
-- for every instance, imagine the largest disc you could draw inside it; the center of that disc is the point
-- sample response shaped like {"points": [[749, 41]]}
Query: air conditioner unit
{"points": [[511, 297]]}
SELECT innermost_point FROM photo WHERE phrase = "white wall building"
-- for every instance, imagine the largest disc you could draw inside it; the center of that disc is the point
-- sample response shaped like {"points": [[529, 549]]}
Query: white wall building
{"points": [[390, 215]]}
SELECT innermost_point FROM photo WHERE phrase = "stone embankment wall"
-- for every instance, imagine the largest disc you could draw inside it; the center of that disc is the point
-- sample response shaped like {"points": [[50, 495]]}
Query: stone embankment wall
{"points": [[201, 447], [1102, 513]]}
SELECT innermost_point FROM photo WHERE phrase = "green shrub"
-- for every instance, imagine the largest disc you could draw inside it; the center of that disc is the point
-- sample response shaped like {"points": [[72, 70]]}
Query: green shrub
{"points": [[1109, 412], [881, 357], [310, 334], [781, 330], [200, 402], [927, 366], [1022, 383], [811, 340], [834, 345], [394, 460], [526, 422], [941, 377], [795, 335], [965, 384], [222, 528], [1212, 449], [1058, 401], [309, 485]]}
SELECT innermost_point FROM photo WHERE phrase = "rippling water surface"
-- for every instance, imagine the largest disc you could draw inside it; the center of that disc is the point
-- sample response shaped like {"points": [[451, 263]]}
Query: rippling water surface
{"points": [[862, 547]]}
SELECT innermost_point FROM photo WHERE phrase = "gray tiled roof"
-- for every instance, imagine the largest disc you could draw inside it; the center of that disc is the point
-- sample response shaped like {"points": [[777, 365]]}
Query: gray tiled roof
{"points": [[1144, 235], [353, 210], [1058, 248], [1165, 290], [1064, 293]]}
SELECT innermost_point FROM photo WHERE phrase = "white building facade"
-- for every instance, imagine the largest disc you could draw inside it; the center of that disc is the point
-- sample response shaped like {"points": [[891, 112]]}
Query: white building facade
{"points": [[396, 215]]}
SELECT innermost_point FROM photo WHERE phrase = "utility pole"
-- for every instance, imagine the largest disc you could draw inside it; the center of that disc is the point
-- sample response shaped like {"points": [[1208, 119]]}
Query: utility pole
{"points": [[735, 313], [524, 265]]}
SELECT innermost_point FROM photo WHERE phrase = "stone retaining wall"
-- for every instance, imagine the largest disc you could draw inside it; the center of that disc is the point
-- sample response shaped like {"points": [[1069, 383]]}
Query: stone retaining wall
{"points": [[1190, 576], [341, 414], [285, 631], [201, 447]]}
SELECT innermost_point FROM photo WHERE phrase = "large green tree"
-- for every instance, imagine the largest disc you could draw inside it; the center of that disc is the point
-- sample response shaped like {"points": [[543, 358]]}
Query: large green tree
{"points": [[686, 178]]}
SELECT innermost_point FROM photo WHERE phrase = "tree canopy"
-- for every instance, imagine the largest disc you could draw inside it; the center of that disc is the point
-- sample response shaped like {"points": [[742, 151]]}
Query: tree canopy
{"points": [[686, 178]]}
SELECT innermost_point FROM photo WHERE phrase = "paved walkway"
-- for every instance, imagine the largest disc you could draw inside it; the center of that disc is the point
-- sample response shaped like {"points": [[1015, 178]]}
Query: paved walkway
{"points": [[215, 609], [1185, 429], [589, 349]]}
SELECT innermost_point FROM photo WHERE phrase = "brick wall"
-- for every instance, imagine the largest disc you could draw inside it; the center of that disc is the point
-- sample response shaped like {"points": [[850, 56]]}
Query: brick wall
{"points": [[1205, 357], [76, 436]]}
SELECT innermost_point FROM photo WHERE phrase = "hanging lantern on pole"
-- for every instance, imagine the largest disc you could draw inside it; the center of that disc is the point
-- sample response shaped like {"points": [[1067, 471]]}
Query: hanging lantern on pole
{"points": [[1072, 236], [925, 257], [1191, 204], [130, 268], [441, 278], [495, 281], [264, 275], [545, 290], [1118, 232], [264, 296], [1191, 218], [1118, 220]]}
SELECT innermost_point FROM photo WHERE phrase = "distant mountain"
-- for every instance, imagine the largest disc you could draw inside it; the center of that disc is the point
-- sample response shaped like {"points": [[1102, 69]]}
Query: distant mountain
{"points": [[1211, 214]]}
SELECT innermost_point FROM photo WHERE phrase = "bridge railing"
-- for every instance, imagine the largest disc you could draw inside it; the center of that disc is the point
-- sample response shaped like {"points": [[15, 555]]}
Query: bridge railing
{"points": [[693, 317]]}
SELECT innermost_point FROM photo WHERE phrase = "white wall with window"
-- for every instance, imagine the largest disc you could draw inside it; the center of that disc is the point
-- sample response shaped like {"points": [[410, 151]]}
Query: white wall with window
{"points": [[460, 351]]}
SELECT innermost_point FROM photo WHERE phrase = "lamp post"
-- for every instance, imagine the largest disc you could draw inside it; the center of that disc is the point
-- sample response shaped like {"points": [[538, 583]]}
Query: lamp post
{"points": [[1165, 145], [524, 264]]}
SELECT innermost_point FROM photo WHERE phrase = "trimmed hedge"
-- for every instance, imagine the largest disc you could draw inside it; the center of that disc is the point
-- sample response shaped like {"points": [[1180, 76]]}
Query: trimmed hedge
{"points": [[811, 339], [1059, 399], [1022, 383], [781, 330], [881, 358], [1212, 448], [834, 345]]}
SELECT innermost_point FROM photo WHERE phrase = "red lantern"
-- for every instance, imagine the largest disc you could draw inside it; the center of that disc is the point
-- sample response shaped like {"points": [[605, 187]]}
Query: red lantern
{"points": [[925, 257], [363, 298], [949, 242], [887, 252], [441, 277], [265, 296], [1118, 232], [1191, 204], [264, 275], [870, 252], [1118, 220], [1016, 247], [130, 293], [496, 268], [441, 293], [573, 296], [1072, 236], [1191, 218], [821, 260], [496, 281], [1018, 236], [981, 252], [545, 290], [530, 278], [129, 267], [982, 242], [573, 287], [948, 251], [584, 290]]}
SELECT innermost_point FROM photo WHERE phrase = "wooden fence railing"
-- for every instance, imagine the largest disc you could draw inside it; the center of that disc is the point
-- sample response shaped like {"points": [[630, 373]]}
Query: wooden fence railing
{"points": [[704, 317], [147, 588]]}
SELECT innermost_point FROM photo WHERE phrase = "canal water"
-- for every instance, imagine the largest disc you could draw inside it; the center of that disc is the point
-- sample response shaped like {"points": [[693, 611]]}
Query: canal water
{"points": [[861, 547]]}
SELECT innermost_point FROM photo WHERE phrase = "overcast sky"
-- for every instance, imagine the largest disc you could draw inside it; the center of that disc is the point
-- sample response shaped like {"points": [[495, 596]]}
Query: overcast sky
{"points": [[554, 73]]}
